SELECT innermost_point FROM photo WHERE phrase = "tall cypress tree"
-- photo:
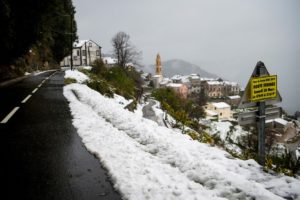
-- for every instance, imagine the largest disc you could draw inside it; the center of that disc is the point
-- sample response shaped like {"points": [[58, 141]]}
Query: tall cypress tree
{"points": [[44, 25]]}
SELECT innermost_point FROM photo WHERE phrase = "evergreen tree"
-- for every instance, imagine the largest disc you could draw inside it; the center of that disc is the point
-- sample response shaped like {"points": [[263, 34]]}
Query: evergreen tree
{"points": [[44, 26]]}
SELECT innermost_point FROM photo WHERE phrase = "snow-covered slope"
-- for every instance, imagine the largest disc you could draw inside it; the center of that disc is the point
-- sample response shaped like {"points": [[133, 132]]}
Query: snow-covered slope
{"points": [[147, 161]]}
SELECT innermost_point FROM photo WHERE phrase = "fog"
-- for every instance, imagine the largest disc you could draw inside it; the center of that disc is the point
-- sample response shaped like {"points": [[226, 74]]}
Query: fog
{"points": [[227, 37]]}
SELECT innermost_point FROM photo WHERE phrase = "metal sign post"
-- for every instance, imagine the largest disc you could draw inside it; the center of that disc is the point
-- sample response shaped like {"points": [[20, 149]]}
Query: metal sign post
{"points": [[261, 119], [261, 90]]}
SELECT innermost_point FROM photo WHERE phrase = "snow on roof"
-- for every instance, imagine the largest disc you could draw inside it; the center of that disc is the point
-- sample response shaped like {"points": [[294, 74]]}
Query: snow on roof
{"points": [[176, 77], [80, 43], [194, 76], [234, 97], [221, 105], [214, 83], [185, 79], [109, 60], [206, 79], [174, 85], [281, 121], [165, 81], [230, 83], [278, 120]]}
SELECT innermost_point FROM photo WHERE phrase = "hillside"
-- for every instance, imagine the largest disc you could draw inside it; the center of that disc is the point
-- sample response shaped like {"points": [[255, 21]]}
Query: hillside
{"points": [[161, 163], [177, 66]]}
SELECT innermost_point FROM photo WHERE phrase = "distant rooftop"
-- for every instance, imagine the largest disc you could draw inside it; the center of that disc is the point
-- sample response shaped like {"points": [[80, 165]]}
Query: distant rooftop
{"points": [[221, 105], [234, 97], [174, 85], [80, 43]]}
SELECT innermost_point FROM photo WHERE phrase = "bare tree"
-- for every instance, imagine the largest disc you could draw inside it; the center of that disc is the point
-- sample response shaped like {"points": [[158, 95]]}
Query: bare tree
{"points": [[124, 51]]}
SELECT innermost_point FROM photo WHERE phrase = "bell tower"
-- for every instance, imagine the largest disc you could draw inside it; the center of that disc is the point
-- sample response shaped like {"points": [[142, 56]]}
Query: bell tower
{"points": [[158, 65]]}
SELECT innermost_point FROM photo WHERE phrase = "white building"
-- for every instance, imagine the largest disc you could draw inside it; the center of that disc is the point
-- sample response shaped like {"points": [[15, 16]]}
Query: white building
{"points": [[85, 52], [109, 61], [221, 108]]}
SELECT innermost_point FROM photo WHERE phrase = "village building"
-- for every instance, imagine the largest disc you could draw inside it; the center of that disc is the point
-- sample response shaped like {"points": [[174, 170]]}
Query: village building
{"points": [[222, 109], [233, 101], [84, 53], [164, 82], [195, 81], [109, 61], [213, 89], [219, 88], [179, 88]]}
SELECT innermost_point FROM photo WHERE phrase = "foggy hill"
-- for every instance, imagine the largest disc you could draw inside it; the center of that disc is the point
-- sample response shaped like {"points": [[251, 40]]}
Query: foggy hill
{"points": [[181, 67]]}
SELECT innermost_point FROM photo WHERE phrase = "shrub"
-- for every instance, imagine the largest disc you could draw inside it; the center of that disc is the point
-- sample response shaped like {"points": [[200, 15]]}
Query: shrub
{"points": [[99, 67], [102, 87], [69, 81], [132, 106], [194, 135]]}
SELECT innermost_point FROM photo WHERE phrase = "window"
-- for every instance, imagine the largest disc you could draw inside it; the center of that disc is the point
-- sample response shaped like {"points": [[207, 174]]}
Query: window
{"points": [[75, 57], [77, 52], [84, 61], [84, 52], [90, 44], [97, 53], [220, 114]]}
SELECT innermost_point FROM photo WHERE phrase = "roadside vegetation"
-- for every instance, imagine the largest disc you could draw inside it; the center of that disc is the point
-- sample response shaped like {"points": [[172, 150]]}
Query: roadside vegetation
{"points": [[126, 81]]}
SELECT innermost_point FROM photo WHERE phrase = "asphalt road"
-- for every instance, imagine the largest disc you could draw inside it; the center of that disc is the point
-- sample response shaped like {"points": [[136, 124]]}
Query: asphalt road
{"points": [[42, 156]]}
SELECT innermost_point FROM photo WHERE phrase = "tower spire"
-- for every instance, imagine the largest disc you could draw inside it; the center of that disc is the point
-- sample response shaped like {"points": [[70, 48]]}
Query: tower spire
{"points": [[158, 65]]}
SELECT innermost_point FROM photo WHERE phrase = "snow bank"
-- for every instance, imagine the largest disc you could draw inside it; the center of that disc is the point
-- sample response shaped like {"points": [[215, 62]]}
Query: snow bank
{"points": [[147, 161], [78, 76]]}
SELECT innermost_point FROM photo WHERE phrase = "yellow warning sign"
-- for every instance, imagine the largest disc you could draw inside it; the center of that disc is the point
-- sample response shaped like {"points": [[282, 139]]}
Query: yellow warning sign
{"points": [[263, 88]]}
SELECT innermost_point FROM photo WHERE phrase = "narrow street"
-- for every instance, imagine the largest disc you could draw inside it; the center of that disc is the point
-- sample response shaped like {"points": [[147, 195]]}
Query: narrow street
{"points": [[42, 156], [148, 111]]}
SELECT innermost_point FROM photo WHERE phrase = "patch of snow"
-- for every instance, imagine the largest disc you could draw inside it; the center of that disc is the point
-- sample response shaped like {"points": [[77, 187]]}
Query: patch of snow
{"points": [[147, 161], [220, 128], [221, 105], [87, 67], [77, 75]]}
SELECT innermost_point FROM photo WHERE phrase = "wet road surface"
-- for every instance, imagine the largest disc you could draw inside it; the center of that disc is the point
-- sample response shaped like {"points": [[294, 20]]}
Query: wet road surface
{"points": [[42, 157]]}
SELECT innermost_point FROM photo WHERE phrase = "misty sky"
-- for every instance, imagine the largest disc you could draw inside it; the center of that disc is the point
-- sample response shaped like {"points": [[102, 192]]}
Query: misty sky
{"points": [[225, 37]]}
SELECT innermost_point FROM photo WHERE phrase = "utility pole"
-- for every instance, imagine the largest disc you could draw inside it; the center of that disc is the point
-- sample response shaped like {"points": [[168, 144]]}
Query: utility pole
{"points": [[72, 18]]}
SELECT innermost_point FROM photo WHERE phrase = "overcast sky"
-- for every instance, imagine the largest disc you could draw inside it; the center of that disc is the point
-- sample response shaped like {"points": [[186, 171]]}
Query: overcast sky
{"points": [[225, 37]]}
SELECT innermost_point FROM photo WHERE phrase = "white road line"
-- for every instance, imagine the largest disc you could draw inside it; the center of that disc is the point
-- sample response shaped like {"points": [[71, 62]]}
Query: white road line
{"points": [[24, 100], [43, 81], [34, 90], [40, 85], [9, 115]]}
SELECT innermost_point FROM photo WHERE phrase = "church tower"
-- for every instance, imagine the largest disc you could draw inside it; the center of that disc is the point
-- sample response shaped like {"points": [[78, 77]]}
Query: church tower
{"points": [[158, 77], [158, 65]]}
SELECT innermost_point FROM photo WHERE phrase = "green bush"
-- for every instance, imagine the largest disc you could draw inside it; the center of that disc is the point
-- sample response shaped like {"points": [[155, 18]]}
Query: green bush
{"points": [[99, 68], [69, 81], [101, 86], [124, 85]]}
